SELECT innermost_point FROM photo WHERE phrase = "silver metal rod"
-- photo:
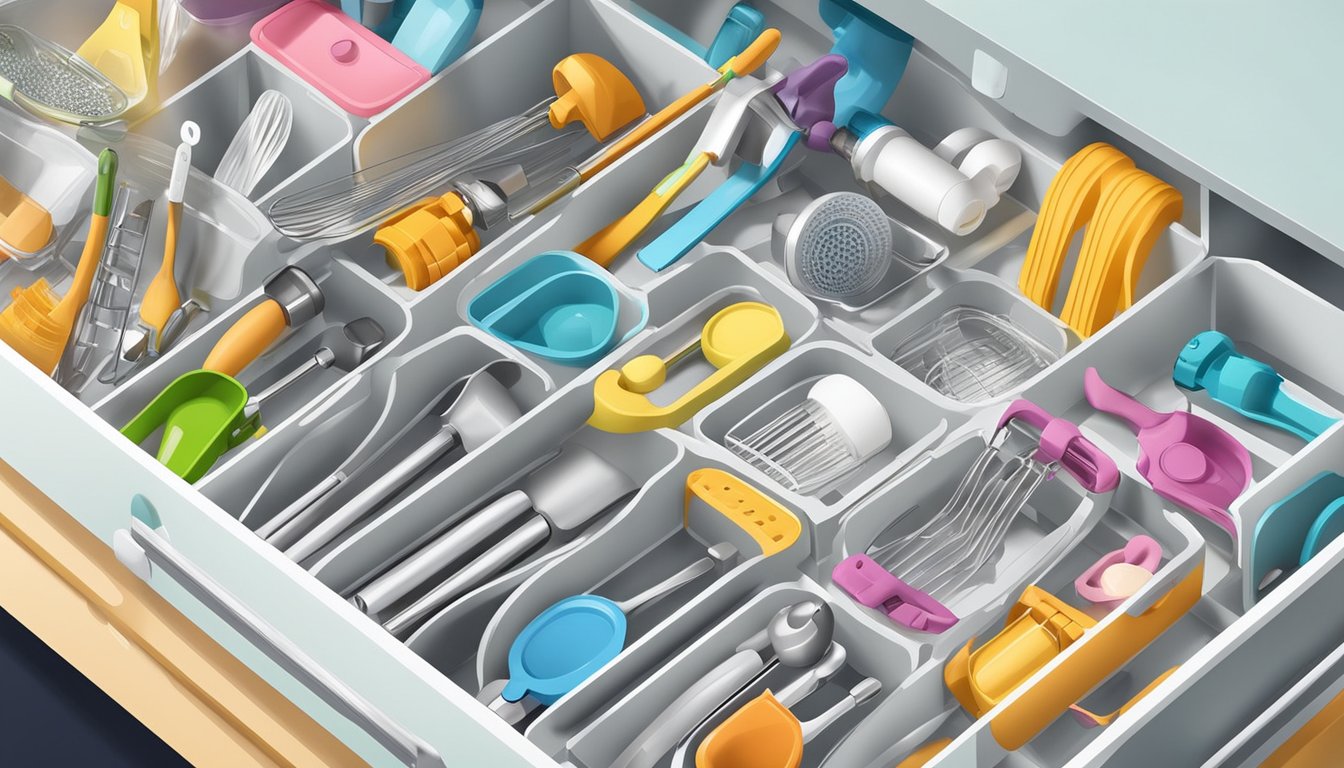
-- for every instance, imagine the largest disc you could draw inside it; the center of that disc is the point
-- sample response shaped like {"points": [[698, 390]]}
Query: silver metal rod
{"points": [[454, 544], [526, 538]]}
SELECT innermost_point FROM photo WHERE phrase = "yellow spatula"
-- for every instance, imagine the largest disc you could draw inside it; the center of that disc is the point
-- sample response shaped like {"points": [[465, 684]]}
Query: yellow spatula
{"points": [[162, 297], [125, 48]]}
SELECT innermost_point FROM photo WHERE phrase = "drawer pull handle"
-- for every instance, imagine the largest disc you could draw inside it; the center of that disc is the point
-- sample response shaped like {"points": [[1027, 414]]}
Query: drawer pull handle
{"points": [[145, 545]]}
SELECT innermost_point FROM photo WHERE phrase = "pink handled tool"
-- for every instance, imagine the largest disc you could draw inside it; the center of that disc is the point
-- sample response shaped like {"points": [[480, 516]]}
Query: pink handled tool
{"points": [[1117, 575], [1185, 458]]}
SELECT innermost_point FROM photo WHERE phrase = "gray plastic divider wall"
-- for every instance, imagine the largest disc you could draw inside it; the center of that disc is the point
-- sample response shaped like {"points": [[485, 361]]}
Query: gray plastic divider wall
{"points": [[222, 99]]}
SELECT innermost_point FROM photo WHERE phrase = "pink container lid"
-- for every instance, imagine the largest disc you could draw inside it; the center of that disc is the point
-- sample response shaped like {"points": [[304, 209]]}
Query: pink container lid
{"points": [[337, 55]]}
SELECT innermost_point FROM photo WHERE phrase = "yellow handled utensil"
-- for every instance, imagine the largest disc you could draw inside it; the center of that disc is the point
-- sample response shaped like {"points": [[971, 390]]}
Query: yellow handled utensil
{"points": [[162, 297], [125, 48], [604, 246], [738, 341], [35, 324]]}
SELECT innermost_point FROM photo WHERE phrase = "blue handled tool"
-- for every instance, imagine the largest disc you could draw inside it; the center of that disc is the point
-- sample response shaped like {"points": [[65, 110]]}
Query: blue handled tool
{"points": [[1210, 361]]}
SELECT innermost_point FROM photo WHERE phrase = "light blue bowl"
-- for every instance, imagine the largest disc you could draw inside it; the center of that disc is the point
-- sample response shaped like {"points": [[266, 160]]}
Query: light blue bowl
{"points": [[559, 306]]}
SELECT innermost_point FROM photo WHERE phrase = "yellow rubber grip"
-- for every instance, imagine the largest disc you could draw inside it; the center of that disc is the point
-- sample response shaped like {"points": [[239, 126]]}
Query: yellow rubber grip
{"points": [[162, 297], [1069, 204], [247, 339]]}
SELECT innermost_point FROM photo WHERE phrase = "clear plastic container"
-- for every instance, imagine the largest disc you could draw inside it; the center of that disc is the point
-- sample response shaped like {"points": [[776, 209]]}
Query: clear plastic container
{"points": [[45, 180]]}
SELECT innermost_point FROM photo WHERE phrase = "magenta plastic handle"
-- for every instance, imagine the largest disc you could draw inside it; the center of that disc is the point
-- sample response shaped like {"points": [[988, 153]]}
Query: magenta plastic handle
{"points": [[1062, 442], [873, 586], [1108, 399]]}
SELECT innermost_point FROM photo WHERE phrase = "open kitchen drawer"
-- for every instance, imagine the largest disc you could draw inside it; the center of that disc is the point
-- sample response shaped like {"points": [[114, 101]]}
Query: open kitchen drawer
{"points": [[404, 665]]}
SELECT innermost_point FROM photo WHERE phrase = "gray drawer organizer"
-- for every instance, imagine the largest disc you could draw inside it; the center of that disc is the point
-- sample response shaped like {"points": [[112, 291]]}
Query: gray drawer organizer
{"points": [[411, 698]]}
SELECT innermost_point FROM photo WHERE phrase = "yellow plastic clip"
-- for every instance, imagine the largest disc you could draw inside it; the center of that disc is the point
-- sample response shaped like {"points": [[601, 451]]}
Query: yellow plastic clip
{"points": [[738, 341], [1038, 629], [765, 520]]}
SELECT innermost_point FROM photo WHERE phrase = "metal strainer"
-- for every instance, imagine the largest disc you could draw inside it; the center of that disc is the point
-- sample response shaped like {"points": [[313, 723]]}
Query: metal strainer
{"points": [[839, 247]]}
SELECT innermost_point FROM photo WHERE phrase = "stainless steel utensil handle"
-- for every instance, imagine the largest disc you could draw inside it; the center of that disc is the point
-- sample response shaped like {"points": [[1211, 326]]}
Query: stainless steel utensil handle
{"points": [[527, 537], [310, 498], [667, 586], [404, 746], [689, 709], [375, 495], [408, 575]]}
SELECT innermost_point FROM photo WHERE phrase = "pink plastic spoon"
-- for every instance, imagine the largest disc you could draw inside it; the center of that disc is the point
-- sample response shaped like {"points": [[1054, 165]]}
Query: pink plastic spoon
{"points": [[1185, 458]]}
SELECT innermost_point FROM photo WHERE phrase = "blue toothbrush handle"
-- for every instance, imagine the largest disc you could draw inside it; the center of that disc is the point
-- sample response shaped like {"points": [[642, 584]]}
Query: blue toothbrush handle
{"points": [[435, 32], [668, 248]]}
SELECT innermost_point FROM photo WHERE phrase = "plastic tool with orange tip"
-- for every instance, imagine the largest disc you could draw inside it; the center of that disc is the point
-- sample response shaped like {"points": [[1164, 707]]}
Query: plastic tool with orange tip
{"points": [[741, 65], [36, 324], [738, 341], [434, 236], [1134, 210], [202, 412], [764, 733], [162, 298], [1069, 204], [24, 224]]}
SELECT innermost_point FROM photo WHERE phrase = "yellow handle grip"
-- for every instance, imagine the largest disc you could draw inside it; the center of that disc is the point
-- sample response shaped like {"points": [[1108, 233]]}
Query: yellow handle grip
{"points": [[68, 309], [753, 56], [162, 297], [605, 245], [247, 339]]}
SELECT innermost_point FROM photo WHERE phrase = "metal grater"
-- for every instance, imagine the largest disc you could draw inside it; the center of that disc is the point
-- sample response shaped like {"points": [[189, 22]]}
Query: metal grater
{"points": [[108, 310]]}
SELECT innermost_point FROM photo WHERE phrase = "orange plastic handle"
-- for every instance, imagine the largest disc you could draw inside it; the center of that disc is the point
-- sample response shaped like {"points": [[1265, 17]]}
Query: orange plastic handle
{"points": [[247, 339], [607, 243], [744, 63]]}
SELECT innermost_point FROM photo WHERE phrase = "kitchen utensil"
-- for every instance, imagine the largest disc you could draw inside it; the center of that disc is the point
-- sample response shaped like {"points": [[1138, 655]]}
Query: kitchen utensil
{"points": [[574, 638], [45, 181], [1210, 362], [1118, 575], [912, 578], [1070, 203], [217, 415], [36, 324], [1134, 210], [797, 109], [1293, 529], [741, 65], [202, 411], [552, 504], [53, 83], [839, 247], [125, 47], [738, 341], [767, 734], [797, 636], [812, 445], [588, 90], [971, 355], [1039, 627], [96, 351], [258, 144], [331, 51], [431, 33], [25, 225], [1185, 458], [162, 298], [740, 27], [560, 307], [957, 197], [482, 410]]}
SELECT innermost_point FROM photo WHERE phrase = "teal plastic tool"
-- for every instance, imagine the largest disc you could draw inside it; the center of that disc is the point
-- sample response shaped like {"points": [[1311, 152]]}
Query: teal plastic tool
{"points": [[877, 53], [742, 25], [432, 32], [678, 239], [1295, 528], [560, 307], [1210, 362]]}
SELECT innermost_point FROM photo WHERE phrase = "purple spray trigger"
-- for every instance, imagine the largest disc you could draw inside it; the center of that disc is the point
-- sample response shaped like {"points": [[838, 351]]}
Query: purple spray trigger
{"points": [[808, 95], [1185, 458]]}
